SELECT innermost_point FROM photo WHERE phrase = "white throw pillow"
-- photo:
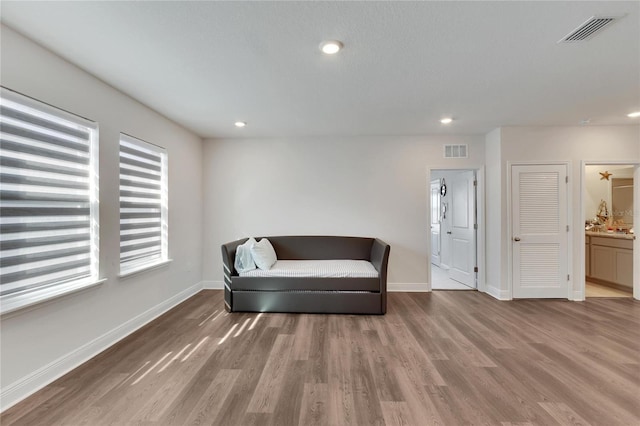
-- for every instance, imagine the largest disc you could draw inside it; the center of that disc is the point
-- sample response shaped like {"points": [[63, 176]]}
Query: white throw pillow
{"points": [[244, 260], [263, 254]]}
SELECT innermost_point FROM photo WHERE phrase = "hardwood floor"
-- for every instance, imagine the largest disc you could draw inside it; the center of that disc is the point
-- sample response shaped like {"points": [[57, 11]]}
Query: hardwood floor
{"points": [[446, 357]]}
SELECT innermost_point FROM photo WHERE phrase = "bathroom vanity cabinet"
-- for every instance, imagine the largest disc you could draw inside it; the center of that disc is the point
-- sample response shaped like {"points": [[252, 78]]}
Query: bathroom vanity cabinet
{"points": [[610, 258]]}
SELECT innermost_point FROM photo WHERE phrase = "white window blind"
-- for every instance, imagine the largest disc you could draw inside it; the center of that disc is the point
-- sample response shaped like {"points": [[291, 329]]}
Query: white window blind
{"points": [[143, 204], [48, 195]]}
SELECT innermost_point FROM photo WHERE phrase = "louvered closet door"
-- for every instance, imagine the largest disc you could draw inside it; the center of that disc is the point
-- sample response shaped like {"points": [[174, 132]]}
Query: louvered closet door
{"points": [[540, 237]]}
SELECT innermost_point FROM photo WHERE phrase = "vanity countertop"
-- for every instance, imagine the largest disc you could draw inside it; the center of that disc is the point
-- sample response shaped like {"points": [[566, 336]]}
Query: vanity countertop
{"points": [[618, 235]]}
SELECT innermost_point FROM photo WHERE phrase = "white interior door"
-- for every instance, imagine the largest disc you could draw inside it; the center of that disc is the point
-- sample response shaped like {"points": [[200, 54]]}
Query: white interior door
{"points": [[435, 222], [463, 232], [540, 234]]}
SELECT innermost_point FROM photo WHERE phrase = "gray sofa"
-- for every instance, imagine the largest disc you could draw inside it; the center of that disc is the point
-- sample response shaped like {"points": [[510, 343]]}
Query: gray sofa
{"points": [[310, 295]]}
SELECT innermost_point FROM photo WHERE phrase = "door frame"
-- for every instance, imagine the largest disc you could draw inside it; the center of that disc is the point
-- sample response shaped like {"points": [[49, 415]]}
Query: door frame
{"points": [[579, 293], [507, 239], [480, 218]]}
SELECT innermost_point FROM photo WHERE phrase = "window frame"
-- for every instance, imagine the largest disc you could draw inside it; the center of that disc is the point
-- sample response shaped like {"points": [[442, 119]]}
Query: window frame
{"points": [[27, 297], [140, 266]]}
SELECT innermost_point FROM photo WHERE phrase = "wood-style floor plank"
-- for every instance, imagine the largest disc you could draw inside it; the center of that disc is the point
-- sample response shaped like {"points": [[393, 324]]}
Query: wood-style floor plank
{"points": [[314, 405], [213, 398], [446, 357], [267, 393], [341, 404]]}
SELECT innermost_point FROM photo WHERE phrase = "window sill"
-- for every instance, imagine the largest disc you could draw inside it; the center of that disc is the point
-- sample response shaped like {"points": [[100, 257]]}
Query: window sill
{"points": [[11, 303], [143, 268]]}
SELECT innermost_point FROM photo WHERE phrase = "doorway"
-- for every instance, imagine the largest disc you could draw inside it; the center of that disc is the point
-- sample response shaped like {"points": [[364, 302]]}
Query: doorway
{"points": [[453, 229], [608, 212]]}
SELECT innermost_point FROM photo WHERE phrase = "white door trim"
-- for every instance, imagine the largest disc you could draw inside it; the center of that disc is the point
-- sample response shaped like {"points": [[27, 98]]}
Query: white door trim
{"points": [[507, 238], [579, 291], [480, 209]]}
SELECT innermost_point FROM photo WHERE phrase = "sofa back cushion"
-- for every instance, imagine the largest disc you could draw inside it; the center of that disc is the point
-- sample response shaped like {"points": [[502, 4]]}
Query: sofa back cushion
{"points": [[316, 247]]}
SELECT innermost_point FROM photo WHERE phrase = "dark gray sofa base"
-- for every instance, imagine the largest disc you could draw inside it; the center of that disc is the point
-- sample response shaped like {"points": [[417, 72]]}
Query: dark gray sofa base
{"points": [[311, 302], [310, 295]]}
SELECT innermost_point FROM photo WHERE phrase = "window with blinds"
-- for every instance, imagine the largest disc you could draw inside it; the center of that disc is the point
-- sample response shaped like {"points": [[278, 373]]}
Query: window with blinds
{"points": [[48, 201], [143, 205]]}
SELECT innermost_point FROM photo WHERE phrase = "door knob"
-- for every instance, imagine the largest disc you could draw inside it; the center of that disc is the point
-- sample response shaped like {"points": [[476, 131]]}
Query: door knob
{"points": [[516, 239], [449, 232]]}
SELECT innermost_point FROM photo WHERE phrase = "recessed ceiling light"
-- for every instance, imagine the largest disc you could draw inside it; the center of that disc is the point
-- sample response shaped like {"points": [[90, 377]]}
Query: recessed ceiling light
{"points": [[446, 120], [331, 47], [634, 114], [240, 123]]}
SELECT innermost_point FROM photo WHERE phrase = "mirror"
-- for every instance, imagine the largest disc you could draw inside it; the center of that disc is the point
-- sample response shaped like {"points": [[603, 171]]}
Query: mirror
{"points": [[611, 186], [622, 200]]}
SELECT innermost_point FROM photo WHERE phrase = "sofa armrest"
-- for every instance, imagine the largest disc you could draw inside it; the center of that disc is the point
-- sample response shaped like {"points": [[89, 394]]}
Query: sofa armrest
{"points": [[380, 256], [380, 260]]}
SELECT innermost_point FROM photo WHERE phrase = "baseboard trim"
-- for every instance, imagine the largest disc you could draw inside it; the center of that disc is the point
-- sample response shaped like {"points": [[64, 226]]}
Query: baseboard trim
{"points": [[408, 287], [213, 285], [497, 293], [33, 382]]}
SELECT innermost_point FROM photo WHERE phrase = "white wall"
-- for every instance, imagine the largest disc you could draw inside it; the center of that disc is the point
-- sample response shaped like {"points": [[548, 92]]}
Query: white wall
{"points": [[596, 190], [41, 342], [360, 186], [574, 145]]}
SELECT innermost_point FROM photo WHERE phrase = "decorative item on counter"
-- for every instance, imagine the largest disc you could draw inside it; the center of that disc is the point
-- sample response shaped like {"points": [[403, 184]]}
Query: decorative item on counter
{"points": [[605, 175], [602, 215], [621, 227]]}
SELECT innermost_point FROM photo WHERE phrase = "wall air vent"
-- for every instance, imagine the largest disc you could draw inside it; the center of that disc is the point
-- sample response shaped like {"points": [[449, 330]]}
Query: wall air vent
{"points": [[589, 29], [455, 151]]}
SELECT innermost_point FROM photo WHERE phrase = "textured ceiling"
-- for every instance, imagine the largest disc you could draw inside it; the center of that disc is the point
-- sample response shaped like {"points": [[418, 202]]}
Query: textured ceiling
{"points": [[404, 65]]}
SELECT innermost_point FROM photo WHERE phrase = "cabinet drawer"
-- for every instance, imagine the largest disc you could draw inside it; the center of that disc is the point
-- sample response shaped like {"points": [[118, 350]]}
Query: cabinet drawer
{"points": [[612, 242]]}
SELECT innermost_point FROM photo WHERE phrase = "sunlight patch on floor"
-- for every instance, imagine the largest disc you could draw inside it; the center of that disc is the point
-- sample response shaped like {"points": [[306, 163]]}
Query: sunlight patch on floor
{"points": [[151, 369], [176, 356], [255, 321], [138, 370], [228, 334], [205, 320], [242, 328], [195, 348]]}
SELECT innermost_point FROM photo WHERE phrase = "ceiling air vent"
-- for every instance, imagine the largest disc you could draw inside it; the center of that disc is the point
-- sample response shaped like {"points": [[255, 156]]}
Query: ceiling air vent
{"points": [[455, 151], [589, 29]]}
